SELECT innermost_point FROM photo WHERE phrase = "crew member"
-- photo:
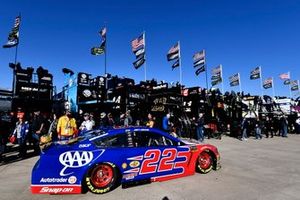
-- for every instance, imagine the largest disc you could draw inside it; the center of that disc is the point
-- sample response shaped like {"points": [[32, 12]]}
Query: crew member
{"points": [[66, 127]]}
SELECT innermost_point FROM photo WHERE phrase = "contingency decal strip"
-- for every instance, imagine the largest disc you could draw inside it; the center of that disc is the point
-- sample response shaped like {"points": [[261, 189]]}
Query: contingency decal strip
{"points": [[56, 189]]}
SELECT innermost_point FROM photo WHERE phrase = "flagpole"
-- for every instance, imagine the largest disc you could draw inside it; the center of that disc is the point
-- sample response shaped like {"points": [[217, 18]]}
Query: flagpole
{"points": [[205, 67], [290, 85], [105, 52], [240, 83], [180, 70], [273, 87], [298, 86], [145, 66], [261, 83], [222, 79], [16, 59]]}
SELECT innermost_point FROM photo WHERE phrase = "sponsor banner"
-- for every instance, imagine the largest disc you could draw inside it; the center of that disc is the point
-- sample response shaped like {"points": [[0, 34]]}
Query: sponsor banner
{"points": [[56, 189], [83, 78], [284, 105]]}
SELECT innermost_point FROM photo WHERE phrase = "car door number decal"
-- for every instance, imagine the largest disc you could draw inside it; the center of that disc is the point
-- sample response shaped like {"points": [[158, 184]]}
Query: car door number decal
{"points": [[157, 161]]}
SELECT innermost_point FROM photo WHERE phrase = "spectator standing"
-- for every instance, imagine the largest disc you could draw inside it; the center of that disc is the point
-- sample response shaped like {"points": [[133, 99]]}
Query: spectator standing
{"points": [[128, 119], [53, 127], [200, 127], [269, 127], [284, 126], [4, 133], [87, 124], [21, 131], [66, 127], [258, 128], [166, 123], [245, 126], [103, 120], [150, 123], [110, 120], [298, 125], [38, 129], [92, 120]]}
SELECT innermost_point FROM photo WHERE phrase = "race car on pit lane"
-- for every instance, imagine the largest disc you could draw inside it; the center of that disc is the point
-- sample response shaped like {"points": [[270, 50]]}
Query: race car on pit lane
{"points": [[101, 160]]}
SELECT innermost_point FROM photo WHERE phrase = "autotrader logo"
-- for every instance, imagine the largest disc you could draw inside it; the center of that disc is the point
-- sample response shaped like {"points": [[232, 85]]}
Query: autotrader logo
{"points": [[74, 159]]}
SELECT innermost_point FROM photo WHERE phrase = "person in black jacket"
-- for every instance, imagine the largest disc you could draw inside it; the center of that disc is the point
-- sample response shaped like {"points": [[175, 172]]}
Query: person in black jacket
{"points": [[269, 127], [200, 127]]}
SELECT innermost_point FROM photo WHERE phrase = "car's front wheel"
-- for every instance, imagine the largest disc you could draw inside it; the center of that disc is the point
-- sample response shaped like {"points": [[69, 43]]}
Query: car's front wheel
{"points": [[204, 162], [102, 178]]}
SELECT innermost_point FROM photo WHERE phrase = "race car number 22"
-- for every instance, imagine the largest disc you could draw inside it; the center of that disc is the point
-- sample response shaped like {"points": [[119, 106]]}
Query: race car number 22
{"points": [[157, 161]]}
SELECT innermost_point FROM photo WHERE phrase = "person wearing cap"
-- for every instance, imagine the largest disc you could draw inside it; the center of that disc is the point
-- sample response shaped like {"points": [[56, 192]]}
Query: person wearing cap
{"points": [[111, 121], [128, 119], [87, 124], [66, 126], [21, 132], [103, 120], [150, 122], [166, 125], [38, 128]]}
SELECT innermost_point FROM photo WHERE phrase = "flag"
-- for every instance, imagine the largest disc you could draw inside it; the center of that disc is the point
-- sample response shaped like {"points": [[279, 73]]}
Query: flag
{"points": [[287, 82], [268, 83], [216, 75], [199, 62], [96, 51], [284, 76], [13, 37], [139, 52], [175, 64], [294, 85], [138, 43], [138, 48], [102, 33], [200, 70], [173, 53], [139, 62], [234, 80], [255, 74], [199, 58]]}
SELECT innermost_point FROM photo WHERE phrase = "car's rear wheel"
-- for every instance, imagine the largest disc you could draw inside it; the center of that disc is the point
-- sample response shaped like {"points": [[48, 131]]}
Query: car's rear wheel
{"points": [[102, 178], [204, 162]]}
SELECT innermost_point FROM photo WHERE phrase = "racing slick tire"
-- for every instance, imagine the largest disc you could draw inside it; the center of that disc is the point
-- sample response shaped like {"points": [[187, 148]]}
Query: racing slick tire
{"points": [[102, 178], [204, 162]]}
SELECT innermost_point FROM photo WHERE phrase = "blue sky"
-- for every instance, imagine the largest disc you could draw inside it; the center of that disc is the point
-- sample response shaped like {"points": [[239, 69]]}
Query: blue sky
{"points": [[240, 35]]}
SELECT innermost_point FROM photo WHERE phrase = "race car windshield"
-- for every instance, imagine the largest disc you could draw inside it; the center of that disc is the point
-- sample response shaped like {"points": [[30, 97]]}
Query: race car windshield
{"points": [[92, 133]]}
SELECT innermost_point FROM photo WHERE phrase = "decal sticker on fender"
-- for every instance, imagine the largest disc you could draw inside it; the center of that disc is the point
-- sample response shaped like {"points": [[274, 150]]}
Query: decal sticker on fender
{"points": [[76, 159]]}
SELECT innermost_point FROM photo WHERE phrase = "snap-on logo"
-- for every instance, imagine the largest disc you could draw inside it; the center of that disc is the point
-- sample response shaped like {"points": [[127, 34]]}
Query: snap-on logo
{"points": [[74, 159]]}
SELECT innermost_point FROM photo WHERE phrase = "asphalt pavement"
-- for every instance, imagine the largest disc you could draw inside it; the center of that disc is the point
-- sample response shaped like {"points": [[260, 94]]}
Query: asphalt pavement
{"points": [[266, 169]]}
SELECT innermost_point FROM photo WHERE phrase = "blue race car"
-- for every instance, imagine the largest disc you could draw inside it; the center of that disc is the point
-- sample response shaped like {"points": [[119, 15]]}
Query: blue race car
{"points": [[102, 159]]}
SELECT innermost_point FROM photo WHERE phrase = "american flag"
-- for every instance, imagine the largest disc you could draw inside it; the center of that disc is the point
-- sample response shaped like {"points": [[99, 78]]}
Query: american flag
{"points": [[284, 76], [217, 70], [13, 36], [268, 83], [174, 49], [138, 43]]}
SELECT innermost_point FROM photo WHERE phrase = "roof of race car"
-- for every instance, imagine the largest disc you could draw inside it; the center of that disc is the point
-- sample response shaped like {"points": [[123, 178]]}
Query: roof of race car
{"points": [[114, 131]]}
